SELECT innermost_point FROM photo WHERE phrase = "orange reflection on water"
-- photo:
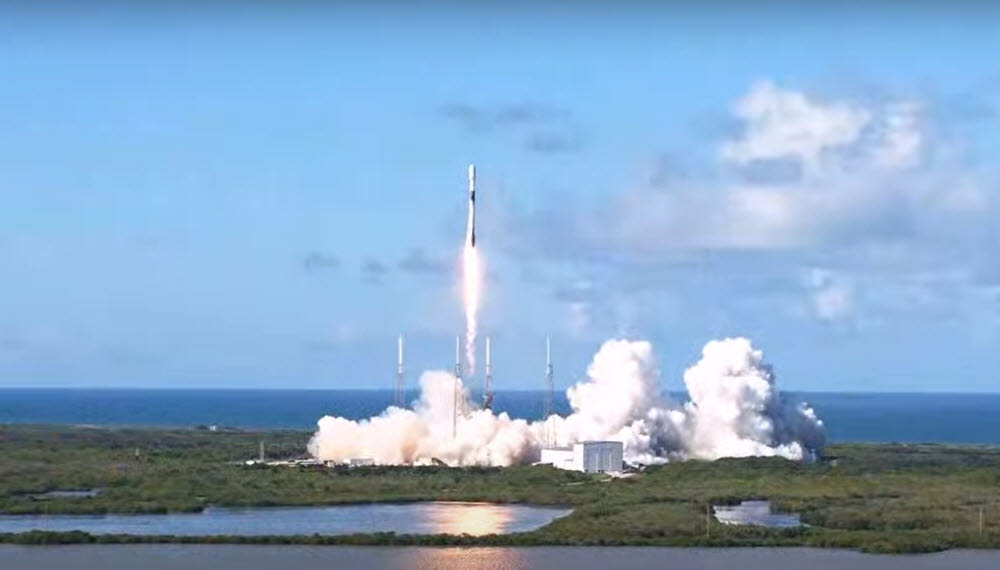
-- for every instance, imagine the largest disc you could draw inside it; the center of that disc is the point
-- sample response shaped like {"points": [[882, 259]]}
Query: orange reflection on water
{"points": [[475, 558], [470, 518]]}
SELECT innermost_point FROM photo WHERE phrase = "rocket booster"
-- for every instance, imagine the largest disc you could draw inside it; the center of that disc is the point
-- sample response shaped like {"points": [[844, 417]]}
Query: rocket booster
{"points": [[470, 231]]}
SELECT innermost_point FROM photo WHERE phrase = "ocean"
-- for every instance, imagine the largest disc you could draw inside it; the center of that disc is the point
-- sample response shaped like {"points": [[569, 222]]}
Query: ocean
{"points": [[874, 417]]}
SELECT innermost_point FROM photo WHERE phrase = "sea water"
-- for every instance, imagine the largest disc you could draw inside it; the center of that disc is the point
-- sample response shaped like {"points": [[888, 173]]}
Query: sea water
{"points": [[875, 417]]}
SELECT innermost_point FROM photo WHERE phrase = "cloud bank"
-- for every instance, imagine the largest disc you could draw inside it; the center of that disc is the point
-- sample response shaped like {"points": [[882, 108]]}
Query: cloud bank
{"points": [[803, 172], [829, 208]]}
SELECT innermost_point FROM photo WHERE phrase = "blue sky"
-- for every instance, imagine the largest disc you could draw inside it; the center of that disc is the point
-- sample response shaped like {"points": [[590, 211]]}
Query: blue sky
{"points": [[265, 198]]}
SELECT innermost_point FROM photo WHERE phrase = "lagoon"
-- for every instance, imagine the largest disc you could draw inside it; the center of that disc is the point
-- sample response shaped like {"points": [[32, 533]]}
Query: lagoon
{"points": [[402, 518]]}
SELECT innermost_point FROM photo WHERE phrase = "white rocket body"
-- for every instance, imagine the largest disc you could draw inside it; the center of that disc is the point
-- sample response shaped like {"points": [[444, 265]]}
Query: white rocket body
{"points": [[470, 230]]}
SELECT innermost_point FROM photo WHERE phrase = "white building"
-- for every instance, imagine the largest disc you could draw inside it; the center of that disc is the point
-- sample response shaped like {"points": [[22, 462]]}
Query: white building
{"points": [[587, 456]]}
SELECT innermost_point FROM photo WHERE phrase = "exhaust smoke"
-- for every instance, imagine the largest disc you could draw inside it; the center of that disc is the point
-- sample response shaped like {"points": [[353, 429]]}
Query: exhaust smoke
{"points": [[733, 410]]}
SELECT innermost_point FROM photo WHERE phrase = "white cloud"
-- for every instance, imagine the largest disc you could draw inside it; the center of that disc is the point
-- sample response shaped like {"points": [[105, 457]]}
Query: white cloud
{"points": [[831, 295], [579, 318], [868, 171], [781, 123], [871, 191], [900, 136]]}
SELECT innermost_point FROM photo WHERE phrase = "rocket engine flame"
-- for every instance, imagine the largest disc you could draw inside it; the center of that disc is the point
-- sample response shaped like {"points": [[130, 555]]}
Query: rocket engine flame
{"points": [[472, 285]]}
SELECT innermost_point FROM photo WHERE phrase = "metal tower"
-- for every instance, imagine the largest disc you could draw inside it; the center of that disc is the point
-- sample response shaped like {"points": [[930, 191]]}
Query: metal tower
{"points": [[549, 380]]}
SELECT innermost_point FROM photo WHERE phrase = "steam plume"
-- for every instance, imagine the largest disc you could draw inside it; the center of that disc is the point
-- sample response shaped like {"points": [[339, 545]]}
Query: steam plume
{"points": [[734, 410]]}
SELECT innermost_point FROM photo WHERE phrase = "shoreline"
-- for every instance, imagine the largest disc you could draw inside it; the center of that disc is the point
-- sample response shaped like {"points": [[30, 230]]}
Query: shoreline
{"points": [[739, 537]]}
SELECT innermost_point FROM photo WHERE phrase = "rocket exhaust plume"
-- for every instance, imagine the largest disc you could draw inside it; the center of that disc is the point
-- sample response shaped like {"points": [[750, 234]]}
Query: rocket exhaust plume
{"points": [[472, 282], [733, 409]]}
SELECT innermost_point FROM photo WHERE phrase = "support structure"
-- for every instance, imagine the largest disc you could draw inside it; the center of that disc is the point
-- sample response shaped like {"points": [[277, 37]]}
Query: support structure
{"points": [[399, 397], [488, 392]]}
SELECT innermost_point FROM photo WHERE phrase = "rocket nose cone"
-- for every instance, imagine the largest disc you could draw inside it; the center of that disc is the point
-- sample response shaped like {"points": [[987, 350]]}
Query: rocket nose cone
{"points": [[472, 172]]}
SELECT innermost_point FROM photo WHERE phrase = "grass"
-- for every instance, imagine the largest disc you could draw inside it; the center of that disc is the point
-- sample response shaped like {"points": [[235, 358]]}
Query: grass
{"points": [[880, 498]]}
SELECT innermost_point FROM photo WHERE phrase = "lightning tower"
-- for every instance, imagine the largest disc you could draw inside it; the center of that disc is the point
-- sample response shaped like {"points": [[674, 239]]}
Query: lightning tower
{"points": [[549, 389], [399, 396], [549, 380], [488, 392]]}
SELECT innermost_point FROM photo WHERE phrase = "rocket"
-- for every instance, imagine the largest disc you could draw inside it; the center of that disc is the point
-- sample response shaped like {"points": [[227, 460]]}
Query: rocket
{"points": [[470, 231]]}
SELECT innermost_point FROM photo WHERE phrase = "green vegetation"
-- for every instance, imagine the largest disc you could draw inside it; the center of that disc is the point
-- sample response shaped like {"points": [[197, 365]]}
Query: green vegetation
{"points": [[884, 498]]}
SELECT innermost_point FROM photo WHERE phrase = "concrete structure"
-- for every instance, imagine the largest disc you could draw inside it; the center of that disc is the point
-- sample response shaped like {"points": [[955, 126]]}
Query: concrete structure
{"points": [[561, 457], [587, 456]]}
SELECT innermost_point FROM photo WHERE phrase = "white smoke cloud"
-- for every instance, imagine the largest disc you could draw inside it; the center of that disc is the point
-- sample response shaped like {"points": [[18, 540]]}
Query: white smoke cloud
{"points": [[734, 411]]}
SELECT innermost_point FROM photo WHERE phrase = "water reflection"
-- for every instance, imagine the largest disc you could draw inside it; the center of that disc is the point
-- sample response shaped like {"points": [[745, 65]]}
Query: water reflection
{"points": [[470, 518], [406, 518], [466, 558]]}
